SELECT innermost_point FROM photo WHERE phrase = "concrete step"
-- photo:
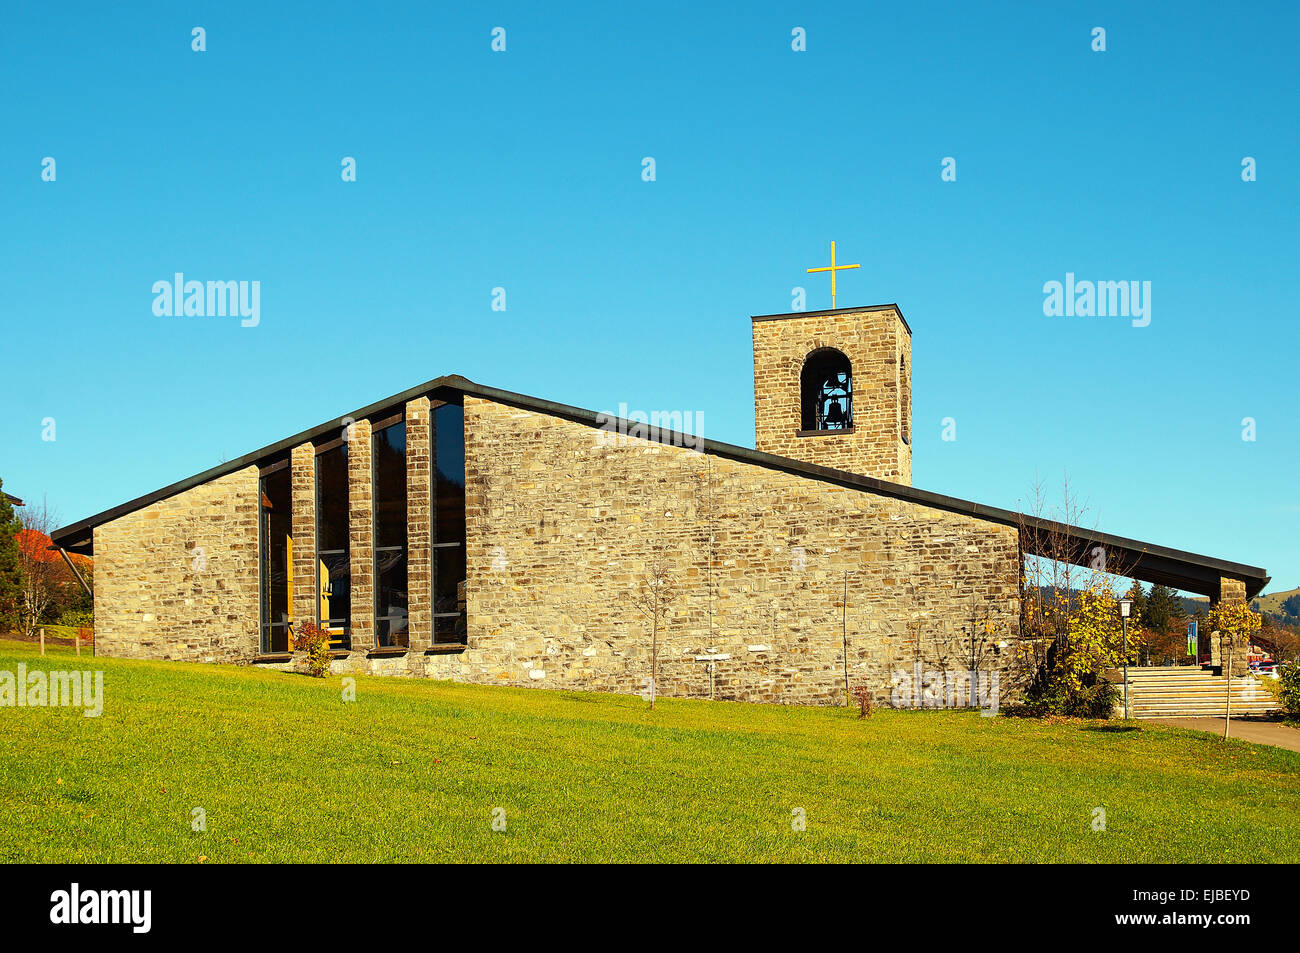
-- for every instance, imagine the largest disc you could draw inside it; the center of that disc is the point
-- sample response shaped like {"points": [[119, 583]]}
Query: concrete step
{"points": [[1190, 713], [1257, 702], [1190, 677], [1217, 698], [1245, 691], [1173, 692], [1197, 678]]}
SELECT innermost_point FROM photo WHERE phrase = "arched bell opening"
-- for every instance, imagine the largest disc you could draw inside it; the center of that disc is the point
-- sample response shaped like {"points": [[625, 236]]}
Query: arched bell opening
{"points": [[826, 388]]}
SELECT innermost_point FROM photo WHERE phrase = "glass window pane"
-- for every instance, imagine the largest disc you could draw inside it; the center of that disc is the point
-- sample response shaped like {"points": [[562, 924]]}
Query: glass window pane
{"points": [[449, 620], [449, 579], [276, 568], [334, 570], [449, 491], [389, 462]]}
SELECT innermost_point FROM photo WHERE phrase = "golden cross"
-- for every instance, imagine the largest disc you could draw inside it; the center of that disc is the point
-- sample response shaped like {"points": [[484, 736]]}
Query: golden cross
{"points": [[832, 268]]}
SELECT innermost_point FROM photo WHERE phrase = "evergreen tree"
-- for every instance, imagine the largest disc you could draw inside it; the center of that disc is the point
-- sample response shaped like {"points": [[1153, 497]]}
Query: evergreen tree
{"points": [[11, 577], [1291, 607], [1137, 618], [1139, 597], [1164, 609]]}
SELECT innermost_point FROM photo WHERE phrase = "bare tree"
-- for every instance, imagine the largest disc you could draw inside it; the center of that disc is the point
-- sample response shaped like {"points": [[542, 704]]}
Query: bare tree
{"points": [[1062, 561], [41, 569], [1057, 563], [654, 598], [706, 515]]}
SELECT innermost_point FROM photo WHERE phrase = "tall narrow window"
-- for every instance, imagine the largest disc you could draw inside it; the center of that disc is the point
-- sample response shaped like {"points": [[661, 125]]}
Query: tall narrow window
{"points": [[334, 571], [826, 391], [389, 461], [275, 541], [448, 531]]}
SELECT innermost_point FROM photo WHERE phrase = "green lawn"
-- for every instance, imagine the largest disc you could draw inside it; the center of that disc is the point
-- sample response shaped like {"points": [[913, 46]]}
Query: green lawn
{"points": [[412, 771]]}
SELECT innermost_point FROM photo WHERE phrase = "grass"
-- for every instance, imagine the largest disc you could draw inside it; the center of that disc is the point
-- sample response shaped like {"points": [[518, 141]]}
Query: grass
{"points": [[412, 771]]}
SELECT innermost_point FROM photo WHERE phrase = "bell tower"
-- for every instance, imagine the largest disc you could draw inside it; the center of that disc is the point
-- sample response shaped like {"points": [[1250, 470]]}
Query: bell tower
{"points": [[834, 388]]}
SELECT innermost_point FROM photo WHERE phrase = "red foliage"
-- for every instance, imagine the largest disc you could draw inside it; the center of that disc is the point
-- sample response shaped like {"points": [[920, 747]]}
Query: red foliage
{"points": [[36, 546]]}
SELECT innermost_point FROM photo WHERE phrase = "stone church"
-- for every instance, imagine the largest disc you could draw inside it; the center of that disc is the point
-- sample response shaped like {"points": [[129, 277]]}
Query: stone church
{"points": [[464, 532]]}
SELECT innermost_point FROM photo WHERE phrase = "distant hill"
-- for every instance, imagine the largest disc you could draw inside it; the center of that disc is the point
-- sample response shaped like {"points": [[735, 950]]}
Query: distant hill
{"points": [[1269, 603], [1272, 602]]}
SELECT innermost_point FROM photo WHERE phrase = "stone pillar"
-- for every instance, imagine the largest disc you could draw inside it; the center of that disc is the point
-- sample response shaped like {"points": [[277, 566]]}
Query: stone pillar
{"points": [[1230, 590], [361, 536], [306, 587], [418, 499]]}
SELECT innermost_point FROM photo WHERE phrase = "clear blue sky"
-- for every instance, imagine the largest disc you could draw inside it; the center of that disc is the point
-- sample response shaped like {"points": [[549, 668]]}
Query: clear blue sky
{"points": [[522, 170]]}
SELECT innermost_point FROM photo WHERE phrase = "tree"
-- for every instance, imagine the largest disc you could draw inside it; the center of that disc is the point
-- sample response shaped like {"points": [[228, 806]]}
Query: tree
{"points": [[1281, 640], [1232, 623], [654, 598], [1164, 610], [11, 574], [1165, 624], [1070, 625], [1097, 637], [1137, 596], [40, 568]]}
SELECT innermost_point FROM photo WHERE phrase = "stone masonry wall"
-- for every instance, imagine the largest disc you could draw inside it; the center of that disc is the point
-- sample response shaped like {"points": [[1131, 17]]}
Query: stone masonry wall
{"points": [[361, 536], [563, 531], [567, 526], [874, 340], [306, 587], [418, 529], [179, 578], [1230, 590]]}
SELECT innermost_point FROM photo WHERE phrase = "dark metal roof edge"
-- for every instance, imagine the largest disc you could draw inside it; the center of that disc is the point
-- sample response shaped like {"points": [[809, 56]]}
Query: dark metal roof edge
{"points": [[882, 487], [893, 306], [730, 451], [63, 535]]}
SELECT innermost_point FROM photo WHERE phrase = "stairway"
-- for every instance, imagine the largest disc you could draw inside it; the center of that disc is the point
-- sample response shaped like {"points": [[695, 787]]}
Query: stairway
{"points": [[1187, 691]]}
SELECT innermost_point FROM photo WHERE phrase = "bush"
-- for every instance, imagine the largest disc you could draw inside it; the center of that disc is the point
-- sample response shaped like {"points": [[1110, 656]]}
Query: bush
{"points": [[1287, 688], [863, 695], [1095, 701], [1093, 696], [77, 619], [315, 641]]}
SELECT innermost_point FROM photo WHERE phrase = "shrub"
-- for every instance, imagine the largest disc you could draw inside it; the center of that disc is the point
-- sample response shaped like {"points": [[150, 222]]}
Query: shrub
{"points": [[1089, 696], [863, 695], [1081, 636], [1095, 701], [1287, 688], [315, 641], [77, 619]]}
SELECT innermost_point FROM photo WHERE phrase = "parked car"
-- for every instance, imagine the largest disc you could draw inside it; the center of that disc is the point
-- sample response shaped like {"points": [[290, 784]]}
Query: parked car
{"points": [[1267, 667]]}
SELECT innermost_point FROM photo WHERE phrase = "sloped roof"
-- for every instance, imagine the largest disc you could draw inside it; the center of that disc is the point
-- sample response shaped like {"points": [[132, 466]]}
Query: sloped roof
{"points": [[1191, 572]]}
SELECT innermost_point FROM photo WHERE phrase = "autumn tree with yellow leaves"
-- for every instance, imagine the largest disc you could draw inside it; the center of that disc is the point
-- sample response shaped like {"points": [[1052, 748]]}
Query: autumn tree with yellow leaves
{"points": [[1071, 630], [1232, 624]]}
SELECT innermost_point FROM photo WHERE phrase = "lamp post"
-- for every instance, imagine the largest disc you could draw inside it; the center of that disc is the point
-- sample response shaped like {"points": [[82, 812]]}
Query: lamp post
{"points": [[1125, 605]]}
